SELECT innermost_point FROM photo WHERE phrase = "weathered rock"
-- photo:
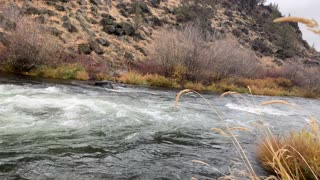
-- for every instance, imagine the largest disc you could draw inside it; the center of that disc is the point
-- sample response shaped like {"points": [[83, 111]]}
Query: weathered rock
{"points": [[110, 29], [30, 10], [107, 20], [56, 32], [84, 49], [59, 7], [127, 28], [95, 47], [104, 84], [4, 39], [70, 27], [96, 2], [124, 13], [140, 49], [64, 18], [155, 21], [119, 31], [139, 6], [103, 42], [81, 2], [42, 19], [154, 3], [51, 3]]}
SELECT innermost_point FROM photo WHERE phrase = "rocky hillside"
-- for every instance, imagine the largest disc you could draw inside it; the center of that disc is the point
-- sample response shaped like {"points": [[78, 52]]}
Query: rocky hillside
{"points": [[120, 32]]}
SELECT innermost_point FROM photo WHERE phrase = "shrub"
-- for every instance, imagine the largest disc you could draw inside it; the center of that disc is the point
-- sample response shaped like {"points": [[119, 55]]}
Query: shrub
{"points": [[145, 67], [204, 57], [196, 12], [31, 46], [303, 76], [93, 68]]}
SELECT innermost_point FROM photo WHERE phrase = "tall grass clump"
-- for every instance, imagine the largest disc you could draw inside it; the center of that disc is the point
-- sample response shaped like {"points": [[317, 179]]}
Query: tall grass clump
{"points": [[293, 156], [148, 80], [290, 157]]}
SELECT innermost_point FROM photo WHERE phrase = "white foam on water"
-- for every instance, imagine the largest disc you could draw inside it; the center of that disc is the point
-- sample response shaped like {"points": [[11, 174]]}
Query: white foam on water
{"points": [[259, 110]]}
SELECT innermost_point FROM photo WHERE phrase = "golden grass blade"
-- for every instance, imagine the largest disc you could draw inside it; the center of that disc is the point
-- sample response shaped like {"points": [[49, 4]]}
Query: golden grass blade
{"points": [[179, 95], [306, 162], [200, 162], [316, 31], [220, 131], [314, 126], [275, 102], [228, 93], [239, 129], [249, 88], [309, 22], [271, 178], [227, 178]]}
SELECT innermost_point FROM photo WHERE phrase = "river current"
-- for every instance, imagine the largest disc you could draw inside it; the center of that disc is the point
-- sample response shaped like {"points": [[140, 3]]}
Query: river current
{"points": [[71, 130]]}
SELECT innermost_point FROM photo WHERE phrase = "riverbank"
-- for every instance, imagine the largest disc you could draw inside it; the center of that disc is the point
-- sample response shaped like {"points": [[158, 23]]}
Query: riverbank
{"points": [[266, 86]]}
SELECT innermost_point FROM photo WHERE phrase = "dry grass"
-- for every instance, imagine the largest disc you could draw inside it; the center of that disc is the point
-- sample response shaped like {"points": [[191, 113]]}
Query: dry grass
{"points": [[310, 23], [267, 86], [68, 71], [295, 156], [148, 80]]}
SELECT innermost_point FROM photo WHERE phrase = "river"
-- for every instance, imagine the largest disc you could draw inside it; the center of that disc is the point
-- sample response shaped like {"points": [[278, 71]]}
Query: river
{"points": [[71, 130]]}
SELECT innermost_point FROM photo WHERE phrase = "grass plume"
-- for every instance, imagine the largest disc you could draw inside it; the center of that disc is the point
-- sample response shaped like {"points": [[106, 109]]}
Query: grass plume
{"points": [[310, 23]]}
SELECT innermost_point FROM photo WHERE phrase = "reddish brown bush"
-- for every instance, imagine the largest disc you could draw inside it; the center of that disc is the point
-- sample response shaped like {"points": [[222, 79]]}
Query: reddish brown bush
{"points": [[29, 44], [92, 67], [150, 66], [205, 57], [303, 76]]}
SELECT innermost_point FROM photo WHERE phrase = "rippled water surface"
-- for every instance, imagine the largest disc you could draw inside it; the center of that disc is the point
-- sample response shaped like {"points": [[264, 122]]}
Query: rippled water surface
{"points": [[77, 131]]}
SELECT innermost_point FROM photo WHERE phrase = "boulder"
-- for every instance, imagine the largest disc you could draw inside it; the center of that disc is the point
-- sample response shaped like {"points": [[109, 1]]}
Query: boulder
{"points": [[59, 7], [56, 32], [81, 2], [103, 42], [110, 29], [96, 2], [107, 20], [104, 84], [127, 28], [154, 3], [84, 49], [70, 27], [95, 47], [119, 31]]}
